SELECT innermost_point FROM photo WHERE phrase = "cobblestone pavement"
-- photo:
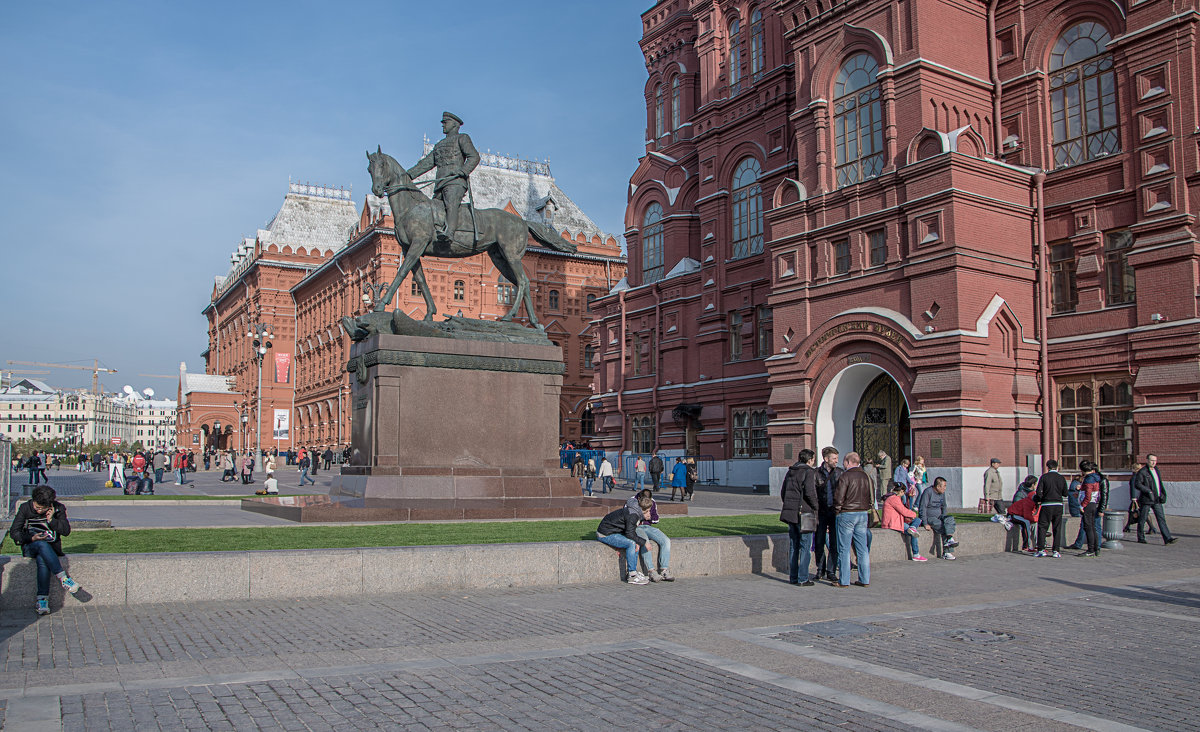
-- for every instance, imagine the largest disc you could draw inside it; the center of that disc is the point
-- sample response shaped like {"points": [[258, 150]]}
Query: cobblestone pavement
{"points": [[999, 642]]}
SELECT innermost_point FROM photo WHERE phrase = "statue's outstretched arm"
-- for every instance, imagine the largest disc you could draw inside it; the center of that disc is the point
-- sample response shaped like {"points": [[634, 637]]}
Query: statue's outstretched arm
{"points": [[424, 165]]}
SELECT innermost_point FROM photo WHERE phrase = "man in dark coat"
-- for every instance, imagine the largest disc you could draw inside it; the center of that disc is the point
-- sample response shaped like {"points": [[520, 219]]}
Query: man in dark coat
{"points": [[827, 480], [455, 157], [799, 496], [656, 470], [1149, 495], [1051, 491]]}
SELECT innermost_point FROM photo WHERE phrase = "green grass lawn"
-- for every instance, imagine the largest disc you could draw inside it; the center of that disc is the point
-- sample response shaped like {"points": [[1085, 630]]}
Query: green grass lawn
{"points": [[125, 541]]}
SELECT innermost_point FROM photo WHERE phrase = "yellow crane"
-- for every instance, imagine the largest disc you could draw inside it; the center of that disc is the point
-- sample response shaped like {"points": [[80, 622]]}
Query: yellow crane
{"points": [[6, 378], [95, 368]]}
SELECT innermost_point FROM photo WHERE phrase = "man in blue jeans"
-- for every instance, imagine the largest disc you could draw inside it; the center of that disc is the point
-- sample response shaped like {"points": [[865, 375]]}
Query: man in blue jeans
{"points": [[851, 500], [647, 530], [619, 530], [38, 528], [931, 507]]}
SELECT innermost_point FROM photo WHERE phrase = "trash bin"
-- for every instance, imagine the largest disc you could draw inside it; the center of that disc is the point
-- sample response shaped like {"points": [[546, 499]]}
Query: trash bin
{"points": [[1114, 529]]}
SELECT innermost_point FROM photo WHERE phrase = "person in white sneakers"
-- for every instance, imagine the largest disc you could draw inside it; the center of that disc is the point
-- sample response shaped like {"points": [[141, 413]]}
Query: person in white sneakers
{"points": [[38, 528], [647, 530], [932, 508], [619, 530], [901, 518]]}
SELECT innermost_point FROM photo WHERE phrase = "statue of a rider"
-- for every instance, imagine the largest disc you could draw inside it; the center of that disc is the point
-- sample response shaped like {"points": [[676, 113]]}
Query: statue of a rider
{"points": [[455, 157]]}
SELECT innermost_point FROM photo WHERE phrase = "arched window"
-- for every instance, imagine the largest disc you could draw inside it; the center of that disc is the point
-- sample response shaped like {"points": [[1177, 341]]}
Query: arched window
{"points": [[747, 209], [652, 244], [591, 299], [460, 290], [857, 120], [735, 56], [589, 356], [675, 91], [660, 124], [1083, 96], [587, 423], [758, 51], [552, 299]]}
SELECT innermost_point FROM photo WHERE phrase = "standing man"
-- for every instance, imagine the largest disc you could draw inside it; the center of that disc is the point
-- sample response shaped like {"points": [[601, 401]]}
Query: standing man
{"points": [[799, 495], [827, 481], [455, 157], [327, 458], [851, 501], [993, 488], [656, 470], [639, 474], [883, 464], [1050, 494], [1149, 495]]}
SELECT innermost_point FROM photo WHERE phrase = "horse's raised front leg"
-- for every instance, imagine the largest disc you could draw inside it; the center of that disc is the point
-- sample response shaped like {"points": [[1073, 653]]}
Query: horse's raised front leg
{"points": [[412, 257], [418, 274]]}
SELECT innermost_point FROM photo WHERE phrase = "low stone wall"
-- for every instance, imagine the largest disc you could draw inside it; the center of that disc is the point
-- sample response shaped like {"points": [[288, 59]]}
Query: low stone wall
{"points": [[134, 579]]}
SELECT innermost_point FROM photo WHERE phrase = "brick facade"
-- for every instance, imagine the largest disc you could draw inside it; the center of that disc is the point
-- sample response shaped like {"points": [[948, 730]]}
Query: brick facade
{"points": [[926, 268]]}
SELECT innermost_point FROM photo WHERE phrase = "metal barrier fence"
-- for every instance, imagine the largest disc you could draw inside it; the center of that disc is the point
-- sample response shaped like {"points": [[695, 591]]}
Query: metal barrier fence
{"points": [[566, 458], [5, 481], [705, 467]]}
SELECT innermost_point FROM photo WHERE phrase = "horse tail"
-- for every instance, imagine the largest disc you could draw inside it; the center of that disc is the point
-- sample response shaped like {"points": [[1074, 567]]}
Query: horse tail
{"points": [[551, 238]]}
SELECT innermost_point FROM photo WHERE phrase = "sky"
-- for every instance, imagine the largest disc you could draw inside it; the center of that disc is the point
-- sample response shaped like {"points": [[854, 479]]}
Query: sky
{"points": [[140, 142]]}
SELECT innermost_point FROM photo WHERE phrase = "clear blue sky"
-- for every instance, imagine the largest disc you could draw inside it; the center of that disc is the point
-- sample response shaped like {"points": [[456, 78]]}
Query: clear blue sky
{"points": [[139, 142]]}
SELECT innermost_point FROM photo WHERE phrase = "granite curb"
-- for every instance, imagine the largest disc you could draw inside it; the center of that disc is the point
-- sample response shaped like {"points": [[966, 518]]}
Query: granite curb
{"points": [[134, 579]]}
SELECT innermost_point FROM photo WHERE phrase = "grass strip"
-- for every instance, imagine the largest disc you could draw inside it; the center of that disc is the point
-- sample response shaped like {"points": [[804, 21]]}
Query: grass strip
{"points": [[136, 541]]}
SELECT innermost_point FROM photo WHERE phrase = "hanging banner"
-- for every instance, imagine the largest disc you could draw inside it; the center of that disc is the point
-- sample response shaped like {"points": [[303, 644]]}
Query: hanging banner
{"points": [[281, 424], [283, 368]]}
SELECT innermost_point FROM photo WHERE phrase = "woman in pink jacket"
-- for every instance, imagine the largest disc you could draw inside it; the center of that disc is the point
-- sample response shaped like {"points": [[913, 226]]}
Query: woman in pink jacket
{"points": [[896, 516]]}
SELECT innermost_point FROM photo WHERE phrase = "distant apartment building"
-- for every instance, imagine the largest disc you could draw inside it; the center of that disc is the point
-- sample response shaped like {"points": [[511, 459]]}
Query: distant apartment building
{"points": [[32, 410]]}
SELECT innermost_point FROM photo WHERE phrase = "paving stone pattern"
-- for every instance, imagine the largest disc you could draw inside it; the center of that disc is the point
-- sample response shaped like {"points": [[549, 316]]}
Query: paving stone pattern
{"points": [[588, 692], [591, 657], [1098, 675]]}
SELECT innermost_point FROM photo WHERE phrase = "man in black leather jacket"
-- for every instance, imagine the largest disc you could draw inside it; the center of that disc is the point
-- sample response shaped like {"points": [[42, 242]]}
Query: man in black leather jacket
{"points": [[1150, 493], [827, 479]]}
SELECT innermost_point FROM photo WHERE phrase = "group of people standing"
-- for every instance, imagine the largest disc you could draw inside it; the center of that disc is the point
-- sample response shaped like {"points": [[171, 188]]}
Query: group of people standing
{"points": [[830, 510], [683, 477]]}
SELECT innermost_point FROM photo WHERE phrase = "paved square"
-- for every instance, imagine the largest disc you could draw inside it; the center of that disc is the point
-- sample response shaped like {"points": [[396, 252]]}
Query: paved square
{"points": [[1000, 642]]}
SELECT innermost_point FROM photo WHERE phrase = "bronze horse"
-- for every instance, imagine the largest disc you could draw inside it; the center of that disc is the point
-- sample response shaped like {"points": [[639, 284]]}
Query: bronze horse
{"points": [[502, 235]]}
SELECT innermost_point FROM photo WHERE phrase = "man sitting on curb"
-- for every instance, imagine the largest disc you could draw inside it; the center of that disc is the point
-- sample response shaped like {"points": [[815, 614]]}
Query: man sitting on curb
{"points": [[619, 530], [647, 530], [931, 506]]}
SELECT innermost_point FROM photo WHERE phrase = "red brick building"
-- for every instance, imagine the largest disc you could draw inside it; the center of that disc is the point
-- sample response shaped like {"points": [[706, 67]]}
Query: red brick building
{"points": [[564, 286], [979, 237], [311, 224]]}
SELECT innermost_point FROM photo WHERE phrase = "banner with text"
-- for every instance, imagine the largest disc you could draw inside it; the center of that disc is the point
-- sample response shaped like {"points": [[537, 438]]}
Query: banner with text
{"points": [[281, 424], [283, 368]]}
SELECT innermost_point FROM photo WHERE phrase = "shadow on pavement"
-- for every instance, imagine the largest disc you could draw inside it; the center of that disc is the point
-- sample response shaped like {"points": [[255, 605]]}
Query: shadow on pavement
{"points": [[1151, 594]]}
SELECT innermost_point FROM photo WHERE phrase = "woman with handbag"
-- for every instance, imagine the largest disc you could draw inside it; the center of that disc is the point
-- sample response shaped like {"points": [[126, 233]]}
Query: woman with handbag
{"points": [[799, 512]]}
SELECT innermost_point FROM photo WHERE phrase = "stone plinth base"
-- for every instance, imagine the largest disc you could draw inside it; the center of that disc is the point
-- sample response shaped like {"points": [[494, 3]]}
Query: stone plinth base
{"points": [[318, 509]]}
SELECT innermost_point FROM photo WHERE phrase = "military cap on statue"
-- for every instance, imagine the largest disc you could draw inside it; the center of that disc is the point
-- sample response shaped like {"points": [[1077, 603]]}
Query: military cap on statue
{"points": [[448, 115]]}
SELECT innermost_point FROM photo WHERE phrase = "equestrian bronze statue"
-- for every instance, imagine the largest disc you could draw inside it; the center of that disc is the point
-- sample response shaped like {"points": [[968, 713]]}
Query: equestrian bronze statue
{"points": [[502, 235]]}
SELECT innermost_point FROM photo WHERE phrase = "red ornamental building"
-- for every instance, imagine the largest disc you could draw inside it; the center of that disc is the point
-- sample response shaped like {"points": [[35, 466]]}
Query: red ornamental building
{"points": [[978, 238]]}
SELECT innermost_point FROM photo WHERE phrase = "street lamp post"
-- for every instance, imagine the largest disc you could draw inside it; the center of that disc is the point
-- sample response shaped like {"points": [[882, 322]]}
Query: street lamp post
{"points": [[261, 333]]}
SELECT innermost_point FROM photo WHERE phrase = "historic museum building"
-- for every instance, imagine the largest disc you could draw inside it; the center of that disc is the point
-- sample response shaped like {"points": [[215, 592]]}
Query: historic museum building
{"points": [[960, 231], [309, 268]]}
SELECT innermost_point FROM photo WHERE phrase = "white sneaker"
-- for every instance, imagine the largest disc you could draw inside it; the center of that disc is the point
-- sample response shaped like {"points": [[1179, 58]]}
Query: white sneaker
{"points": [[1007, 525], [947, 555], [654, 576], [996, 518], [637, 578], [951, 541]]}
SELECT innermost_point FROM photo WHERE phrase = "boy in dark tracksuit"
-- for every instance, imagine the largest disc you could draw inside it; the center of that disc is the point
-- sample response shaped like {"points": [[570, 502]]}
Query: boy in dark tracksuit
{"points": [[1051, 491]]}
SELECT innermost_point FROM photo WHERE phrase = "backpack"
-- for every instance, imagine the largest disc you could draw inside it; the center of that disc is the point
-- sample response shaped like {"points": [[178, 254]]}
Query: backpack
{"points": [[692, 473]]}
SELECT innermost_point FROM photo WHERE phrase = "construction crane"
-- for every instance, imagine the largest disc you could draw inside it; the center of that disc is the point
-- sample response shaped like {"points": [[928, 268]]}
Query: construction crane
{"points": [[95, 368], [6, 378]]}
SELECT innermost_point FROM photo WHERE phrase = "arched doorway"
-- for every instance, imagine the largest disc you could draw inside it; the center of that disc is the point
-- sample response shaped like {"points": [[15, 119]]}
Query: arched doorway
{"points": [[862, 409], [881, 420]]}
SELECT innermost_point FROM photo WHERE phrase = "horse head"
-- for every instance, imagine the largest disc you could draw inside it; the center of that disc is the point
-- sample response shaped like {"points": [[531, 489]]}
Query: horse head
{"points": [[385, 172]]}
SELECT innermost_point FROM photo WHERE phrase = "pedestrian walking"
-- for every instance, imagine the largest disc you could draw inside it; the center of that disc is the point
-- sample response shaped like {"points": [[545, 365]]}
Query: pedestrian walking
{"points": [[305, 462], [606, 475], [679, 479], [1151, 494], [656, 470], [639, 474]]}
